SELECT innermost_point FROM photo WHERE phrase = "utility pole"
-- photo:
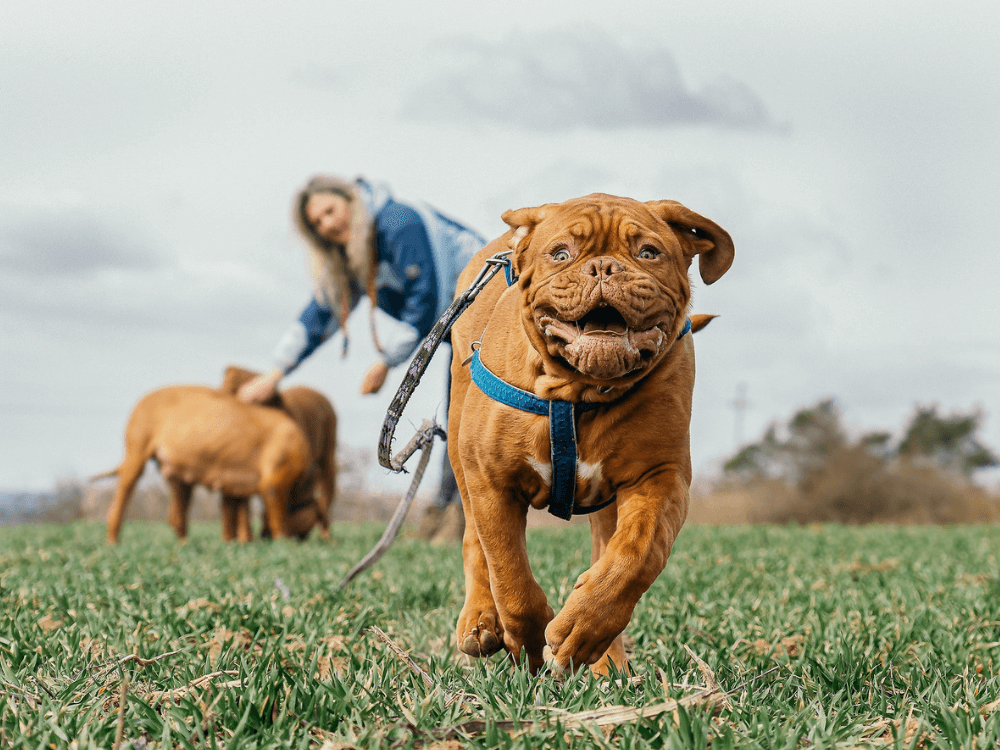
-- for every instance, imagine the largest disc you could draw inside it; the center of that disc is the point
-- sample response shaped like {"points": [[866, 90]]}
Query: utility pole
{"points": [[740, 405]]}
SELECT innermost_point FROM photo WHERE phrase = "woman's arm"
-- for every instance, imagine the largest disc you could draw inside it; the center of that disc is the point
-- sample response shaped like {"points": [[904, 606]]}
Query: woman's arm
{"points": [[315, 325]]}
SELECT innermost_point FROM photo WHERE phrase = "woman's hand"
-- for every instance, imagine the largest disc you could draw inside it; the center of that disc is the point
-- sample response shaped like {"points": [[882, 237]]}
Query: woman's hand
{"points": [[374, 378], [261, 388]]}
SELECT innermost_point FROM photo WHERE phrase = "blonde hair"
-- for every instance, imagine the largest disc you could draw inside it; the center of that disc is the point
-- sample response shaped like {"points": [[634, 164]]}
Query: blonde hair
{"points": [[331, 265]]}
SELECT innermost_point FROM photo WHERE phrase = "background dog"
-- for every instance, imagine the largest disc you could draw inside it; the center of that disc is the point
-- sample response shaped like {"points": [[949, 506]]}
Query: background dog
{"points": [[200, 435], [315, 416]]}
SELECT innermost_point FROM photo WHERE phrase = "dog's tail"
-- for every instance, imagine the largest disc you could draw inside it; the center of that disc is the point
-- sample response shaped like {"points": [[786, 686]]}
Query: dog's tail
{"points": [[114, 471], [700, 321]]}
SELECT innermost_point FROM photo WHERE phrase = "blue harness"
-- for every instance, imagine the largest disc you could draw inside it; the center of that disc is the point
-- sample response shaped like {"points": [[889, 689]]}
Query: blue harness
{"points": [[562, 431]]}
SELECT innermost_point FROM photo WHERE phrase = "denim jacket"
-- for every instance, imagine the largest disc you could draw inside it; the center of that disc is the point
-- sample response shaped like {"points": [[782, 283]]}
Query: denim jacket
{"points": [[420, 253]]}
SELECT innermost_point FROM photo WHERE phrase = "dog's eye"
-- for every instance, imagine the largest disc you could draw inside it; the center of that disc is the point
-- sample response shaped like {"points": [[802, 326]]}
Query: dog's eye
{"points": [[648, 253], [560, 255]]}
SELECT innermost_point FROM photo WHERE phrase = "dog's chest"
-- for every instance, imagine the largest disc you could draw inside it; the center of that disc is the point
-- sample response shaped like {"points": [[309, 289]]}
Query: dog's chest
{"points": [[591, 485]]}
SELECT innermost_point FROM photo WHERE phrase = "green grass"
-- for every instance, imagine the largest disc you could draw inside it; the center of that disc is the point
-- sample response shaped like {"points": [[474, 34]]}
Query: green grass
{"points": [[820, 634]]}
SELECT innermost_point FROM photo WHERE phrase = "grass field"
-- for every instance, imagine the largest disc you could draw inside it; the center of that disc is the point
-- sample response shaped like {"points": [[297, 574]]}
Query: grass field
{"points": [[822, 636]]}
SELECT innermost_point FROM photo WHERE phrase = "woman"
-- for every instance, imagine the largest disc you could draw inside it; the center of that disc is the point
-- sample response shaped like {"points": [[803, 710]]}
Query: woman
{"points": [[405, 257]]}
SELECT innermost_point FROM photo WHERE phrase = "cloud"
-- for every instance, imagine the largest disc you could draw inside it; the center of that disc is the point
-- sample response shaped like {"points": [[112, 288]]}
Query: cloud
{"points": [[317, 77], [554, 81], [64, 239], [71, 265]]}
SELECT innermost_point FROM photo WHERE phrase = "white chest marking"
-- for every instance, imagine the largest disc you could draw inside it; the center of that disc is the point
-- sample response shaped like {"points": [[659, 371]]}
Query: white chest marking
{"points": [[544, 470], [587, 473], [591, 476]]}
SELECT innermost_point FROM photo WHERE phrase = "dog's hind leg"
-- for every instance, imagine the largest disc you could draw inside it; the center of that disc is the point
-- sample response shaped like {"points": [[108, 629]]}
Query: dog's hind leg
{"points": [[128, 474]]}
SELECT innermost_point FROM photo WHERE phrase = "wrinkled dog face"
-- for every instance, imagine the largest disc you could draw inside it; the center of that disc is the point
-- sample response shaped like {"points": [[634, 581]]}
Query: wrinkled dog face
{"points": [[605, 280], [607, 290]]}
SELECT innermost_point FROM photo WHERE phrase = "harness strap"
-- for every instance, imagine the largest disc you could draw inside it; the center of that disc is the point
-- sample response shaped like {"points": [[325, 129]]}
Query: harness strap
{"points": [[685, 330], [562, 439], [508, 271], [502, 391], [562, 435]]}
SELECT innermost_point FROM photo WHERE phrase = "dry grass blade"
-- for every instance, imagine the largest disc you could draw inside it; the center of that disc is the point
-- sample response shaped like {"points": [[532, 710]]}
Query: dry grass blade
{"points": [[105, 671], [199, 682], [122, 702], [403, 656], [466, 701], [877, 733], [713, 698], [706, 671], [711, 682], [32, 698], [600, 717]]}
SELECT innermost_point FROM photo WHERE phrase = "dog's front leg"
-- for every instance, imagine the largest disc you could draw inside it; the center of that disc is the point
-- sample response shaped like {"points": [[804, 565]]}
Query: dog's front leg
{"points": [[524, 612], [180, 502], [602, 527], [228, 507], [605, 595], [275, 506], [479, 630]]}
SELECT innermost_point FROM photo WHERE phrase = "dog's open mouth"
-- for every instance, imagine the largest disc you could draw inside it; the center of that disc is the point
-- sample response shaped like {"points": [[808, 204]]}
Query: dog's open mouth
{"points": [[601, 344]]}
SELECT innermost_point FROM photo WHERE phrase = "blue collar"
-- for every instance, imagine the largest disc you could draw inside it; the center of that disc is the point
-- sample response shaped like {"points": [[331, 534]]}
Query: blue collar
{"points": [[562, 432]]}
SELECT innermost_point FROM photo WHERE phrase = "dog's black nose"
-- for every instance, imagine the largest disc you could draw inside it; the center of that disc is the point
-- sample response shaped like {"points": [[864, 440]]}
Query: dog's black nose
{"points": [[601, 268]]}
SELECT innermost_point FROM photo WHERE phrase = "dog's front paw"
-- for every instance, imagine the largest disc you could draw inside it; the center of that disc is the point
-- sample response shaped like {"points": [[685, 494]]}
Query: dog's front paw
{"points": [[578, 638], [552, 661], [479, 632]]}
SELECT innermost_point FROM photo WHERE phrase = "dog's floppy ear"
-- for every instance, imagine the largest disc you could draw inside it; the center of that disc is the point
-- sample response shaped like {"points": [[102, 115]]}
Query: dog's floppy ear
{"points": [[516, 218], [522, 221], [699, 236], [234, 378]]}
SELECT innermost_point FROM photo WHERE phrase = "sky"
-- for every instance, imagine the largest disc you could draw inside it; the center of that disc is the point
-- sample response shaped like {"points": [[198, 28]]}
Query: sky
{"points": [[149, 153]]}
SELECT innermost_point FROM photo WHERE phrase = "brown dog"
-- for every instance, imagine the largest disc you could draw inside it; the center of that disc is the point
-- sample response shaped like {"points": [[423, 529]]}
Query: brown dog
{"points": [[199, 435], [597, 318], [315, 416]]}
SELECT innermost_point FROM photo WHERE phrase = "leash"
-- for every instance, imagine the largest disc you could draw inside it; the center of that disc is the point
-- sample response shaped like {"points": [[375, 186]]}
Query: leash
{"points": [[428, 347], [423, 441]]}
